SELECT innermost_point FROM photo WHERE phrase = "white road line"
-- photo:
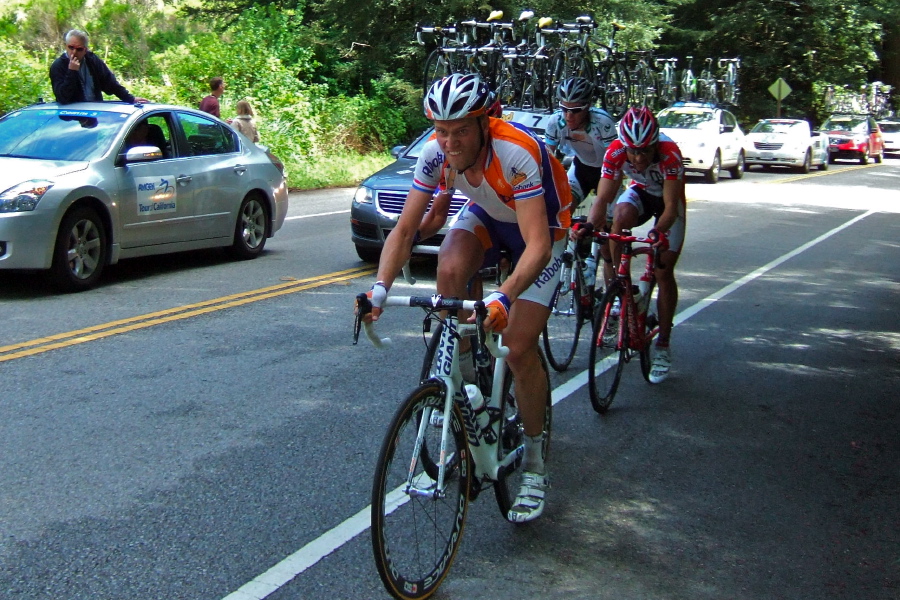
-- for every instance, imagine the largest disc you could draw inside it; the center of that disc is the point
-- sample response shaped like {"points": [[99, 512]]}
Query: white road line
{"points": [[295, 564], [325, 214]]}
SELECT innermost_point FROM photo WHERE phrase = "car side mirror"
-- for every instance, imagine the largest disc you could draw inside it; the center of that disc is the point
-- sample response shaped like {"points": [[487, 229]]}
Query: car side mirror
{"points": [[143, 154], [396, 151], [726, 128]]}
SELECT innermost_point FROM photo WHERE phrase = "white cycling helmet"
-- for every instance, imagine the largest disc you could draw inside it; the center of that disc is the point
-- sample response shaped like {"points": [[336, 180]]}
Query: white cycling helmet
{"points": [[576, 90], [457, 97]]}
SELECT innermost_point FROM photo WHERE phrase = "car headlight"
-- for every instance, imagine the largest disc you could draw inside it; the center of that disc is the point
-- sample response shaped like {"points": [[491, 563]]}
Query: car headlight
{"points": [[363, 195], [25, 196]]}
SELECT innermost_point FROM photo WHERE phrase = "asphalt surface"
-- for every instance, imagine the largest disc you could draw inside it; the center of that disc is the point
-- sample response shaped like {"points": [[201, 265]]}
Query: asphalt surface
{"points": [[184, 459]]}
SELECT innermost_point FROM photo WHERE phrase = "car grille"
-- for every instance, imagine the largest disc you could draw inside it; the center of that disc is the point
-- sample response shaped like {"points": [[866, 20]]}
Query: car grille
{"points": [[767, 146], [392, 203]]}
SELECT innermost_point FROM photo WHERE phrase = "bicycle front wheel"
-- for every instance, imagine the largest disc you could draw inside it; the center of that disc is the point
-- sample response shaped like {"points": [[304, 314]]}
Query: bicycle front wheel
{"points": [[416, 527], [651, 325], [608, 348], [564, 324], [437, 66]]}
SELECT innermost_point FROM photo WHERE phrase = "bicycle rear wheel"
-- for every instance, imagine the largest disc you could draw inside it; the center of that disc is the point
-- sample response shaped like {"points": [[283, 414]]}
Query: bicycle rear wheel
{"points": [[615, 89], [564, 324], [512, 437], [415, 536], [608, 348]]}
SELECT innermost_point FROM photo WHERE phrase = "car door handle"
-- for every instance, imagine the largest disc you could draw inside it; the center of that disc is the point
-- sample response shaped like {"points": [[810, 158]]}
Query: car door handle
{"points": [[183, 179], [240, 169]]}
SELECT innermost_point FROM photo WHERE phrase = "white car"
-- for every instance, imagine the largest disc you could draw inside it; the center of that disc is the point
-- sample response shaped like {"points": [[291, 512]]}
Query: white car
{"points": [[786, 143], [890, 134], [710, 138]]}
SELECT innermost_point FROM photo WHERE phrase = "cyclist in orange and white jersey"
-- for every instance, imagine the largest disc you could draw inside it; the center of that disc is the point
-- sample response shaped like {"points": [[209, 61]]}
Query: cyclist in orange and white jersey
{"points": [[519, 200], [653, 162]]}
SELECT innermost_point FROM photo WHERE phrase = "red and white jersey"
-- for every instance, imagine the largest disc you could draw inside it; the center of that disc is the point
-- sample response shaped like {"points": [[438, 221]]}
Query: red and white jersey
{"points": [[668, 165], [518, 167]]}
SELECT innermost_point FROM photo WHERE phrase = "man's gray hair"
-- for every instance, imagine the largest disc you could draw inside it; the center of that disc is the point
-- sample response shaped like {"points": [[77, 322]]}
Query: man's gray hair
{"points": [[78, 33]]}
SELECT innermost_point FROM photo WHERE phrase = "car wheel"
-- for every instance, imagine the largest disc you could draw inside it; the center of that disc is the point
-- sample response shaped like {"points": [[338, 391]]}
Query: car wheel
{"points": [[830, 159], [250, 228], [824, 165], [370, 255], [879, 157], [737, 171], [807, 163], [80, 251], [864, 157], [712, 175]]}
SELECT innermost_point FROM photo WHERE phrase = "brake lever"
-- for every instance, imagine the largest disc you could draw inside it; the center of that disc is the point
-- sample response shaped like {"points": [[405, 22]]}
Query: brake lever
{"points": [[363, 307]]}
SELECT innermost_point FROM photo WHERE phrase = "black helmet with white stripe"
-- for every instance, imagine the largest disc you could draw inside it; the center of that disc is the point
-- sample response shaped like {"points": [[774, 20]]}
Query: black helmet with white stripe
{"points": [[576, 90]]}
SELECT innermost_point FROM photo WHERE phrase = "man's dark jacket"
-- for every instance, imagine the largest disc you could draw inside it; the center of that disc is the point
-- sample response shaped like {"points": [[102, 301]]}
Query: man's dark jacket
{"points": [[67, 83]]}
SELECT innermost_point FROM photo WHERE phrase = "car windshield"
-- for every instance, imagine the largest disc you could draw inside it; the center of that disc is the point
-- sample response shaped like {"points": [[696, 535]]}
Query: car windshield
{"points": [[774, 127], [416, 147], [695, 119], [890, 127], [854, 125], [58, 134]]}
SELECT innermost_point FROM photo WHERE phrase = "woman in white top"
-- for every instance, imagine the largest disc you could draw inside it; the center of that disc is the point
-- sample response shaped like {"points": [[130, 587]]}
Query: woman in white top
{"points": [[244, 123]]}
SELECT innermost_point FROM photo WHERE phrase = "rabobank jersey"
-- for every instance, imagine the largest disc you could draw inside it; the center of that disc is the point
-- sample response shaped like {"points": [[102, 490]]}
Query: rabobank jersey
{"points": [[667, 166], [588, 144], [518, 168]]}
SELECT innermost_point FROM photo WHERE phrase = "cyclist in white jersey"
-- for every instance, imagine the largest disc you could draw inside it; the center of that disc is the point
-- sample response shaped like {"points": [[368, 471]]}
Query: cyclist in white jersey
{"points": [[519, 199], [584, 131], [653, 162]]}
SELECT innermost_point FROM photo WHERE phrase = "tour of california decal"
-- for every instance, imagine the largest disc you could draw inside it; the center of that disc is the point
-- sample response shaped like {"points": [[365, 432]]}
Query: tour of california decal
{"points": [[156, 195]]}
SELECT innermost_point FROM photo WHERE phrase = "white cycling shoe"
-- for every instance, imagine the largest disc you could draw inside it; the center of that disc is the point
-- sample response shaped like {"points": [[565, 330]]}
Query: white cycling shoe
{"points": [[660, 364], [529, 503]]}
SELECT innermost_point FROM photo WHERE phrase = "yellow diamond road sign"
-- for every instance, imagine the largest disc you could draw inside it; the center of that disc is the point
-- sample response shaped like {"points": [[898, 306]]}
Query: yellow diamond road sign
{"points": [[780, 89]]}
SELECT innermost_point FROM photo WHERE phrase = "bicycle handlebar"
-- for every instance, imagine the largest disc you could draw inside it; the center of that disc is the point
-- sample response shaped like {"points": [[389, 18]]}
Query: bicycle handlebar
{"points": [[436, 302]]}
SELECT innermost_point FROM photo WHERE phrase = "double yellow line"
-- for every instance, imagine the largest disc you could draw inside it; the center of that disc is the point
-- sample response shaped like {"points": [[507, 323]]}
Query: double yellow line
{"points": [[98, 332]]}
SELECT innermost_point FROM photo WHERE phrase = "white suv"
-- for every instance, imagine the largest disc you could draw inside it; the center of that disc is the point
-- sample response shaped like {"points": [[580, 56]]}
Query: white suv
{"points": [[710, 138]]}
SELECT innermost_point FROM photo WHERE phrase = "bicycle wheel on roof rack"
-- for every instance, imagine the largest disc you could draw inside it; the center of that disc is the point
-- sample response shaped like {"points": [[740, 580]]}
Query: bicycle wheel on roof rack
{"points": [[614, 89], [437, 66]]}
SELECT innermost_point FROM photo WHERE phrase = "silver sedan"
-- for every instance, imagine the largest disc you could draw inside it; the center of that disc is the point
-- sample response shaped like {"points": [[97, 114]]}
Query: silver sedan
{"points": [[85, 185]]}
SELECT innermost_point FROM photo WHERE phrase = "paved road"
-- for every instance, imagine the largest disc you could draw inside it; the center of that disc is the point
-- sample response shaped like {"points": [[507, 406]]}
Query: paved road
{"points": [[185, 454]]}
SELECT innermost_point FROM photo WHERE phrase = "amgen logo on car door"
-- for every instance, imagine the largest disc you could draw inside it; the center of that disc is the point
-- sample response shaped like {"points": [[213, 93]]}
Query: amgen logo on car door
{"points": [[156, 195]]}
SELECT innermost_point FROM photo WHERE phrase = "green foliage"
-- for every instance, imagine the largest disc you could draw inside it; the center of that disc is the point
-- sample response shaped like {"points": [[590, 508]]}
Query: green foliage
{"points": [[23, 78]]}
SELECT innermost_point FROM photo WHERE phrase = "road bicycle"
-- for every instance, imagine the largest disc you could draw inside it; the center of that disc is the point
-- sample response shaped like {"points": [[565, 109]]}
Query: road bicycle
{"points": [[707, 85], [612, 78], [573, 55], [667, 86], [441, 450], [642, 78], [623, 326], [688, 82], [728, 68], [573, 301], [444, 60]]}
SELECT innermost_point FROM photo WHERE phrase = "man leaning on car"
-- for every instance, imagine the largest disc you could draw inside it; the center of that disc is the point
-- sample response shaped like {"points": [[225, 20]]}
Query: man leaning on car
{"points": [[79, 75]]}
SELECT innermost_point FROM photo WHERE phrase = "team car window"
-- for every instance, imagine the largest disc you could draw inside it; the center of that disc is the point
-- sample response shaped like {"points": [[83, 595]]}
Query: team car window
{"points": [[205, 137], [152, 131], [58, 134]]}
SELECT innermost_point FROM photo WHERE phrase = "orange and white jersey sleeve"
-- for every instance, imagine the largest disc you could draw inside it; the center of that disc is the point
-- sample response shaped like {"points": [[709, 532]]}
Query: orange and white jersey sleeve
{"points": [[518, 168]]}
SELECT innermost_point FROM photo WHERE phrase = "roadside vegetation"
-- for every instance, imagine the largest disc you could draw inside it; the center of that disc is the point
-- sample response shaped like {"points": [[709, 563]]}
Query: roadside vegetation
{"points": [[337, 83]]}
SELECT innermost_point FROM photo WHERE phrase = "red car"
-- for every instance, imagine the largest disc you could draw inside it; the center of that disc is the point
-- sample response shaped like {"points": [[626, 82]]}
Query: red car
{"points": [[853, 136]]}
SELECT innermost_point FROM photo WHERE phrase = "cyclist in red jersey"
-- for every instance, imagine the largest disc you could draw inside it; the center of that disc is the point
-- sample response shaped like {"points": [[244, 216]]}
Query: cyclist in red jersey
{"points": [[653, 162], [519, 200]]}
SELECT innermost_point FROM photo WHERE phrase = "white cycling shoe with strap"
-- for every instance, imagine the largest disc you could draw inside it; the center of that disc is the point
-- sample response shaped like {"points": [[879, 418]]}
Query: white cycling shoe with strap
{"points": [[529, 502]]}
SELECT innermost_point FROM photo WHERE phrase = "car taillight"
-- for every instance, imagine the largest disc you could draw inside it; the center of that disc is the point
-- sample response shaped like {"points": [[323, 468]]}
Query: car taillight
{"points": [[275, 161]]}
